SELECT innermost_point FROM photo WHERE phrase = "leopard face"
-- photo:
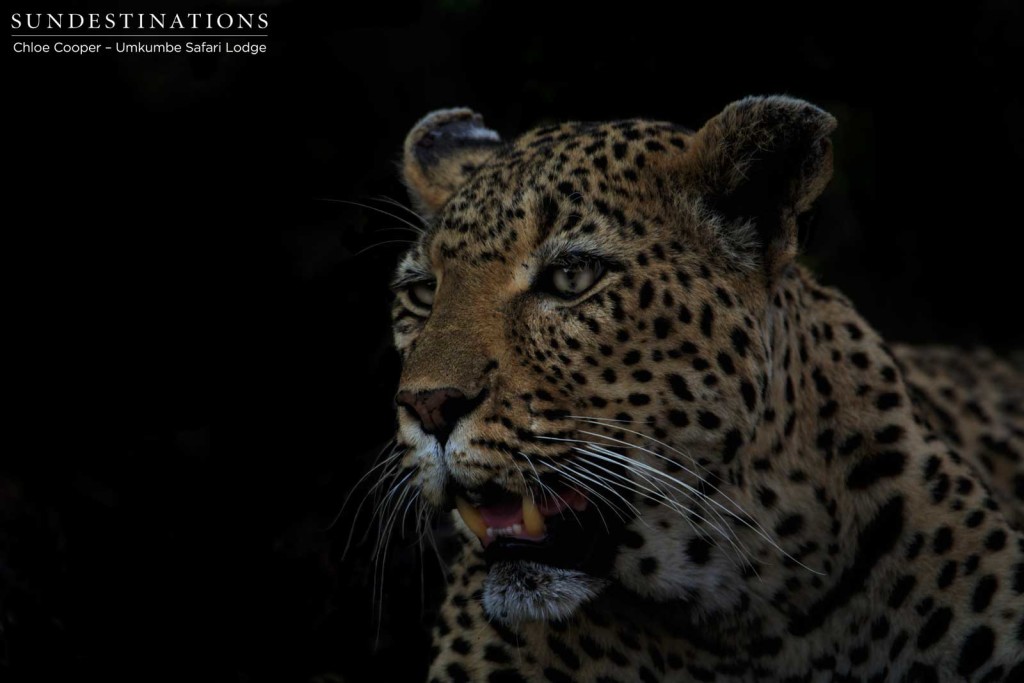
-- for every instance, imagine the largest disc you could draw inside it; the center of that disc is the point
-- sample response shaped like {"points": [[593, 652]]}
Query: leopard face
{"points": [[590, 333]]}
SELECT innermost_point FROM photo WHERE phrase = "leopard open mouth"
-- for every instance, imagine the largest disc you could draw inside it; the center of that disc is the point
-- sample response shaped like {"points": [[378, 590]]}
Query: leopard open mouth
{"points": [[561, 528]]}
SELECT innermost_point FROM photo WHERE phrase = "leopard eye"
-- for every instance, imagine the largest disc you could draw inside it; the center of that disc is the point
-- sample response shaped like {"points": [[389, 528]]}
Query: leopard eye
{"points": [[570, 280], [422, 293]]}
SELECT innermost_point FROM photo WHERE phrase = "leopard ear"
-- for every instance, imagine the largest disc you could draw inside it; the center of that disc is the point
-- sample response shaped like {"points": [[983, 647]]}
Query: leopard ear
{"points": [[760, 164], [442, 152]]}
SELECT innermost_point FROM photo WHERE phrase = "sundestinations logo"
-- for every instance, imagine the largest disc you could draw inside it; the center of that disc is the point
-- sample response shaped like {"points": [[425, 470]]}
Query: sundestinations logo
{"points": [[139, 32]]}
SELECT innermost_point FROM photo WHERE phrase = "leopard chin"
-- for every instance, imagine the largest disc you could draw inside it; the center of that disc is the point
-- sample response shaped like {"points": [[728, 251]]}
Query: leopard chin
{"points": [[521, 591]]}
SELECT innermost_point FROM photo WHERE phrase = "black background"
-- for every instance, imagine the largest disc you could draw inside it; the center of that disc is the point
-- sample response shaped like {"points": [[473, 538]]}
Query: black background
{"points": [[200, 341]]}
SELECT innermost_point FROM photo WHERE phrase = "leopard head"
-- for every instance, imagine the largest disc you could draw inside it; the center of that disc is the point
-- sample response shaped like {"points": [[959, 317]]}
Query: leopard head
{"points": [[584, 334]]}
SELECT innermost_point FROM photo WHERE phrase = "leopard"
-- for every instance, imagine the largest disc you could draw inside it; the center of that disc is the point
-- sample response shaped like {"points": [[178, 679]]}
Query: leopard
{"points": [[667, 451]]}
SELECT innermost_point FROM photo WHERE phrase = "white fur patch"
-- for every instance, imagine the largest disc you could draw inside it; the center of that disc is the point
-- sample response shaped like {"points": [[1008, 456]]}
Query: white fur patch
{"points": [[480, 133], [515, 592]]}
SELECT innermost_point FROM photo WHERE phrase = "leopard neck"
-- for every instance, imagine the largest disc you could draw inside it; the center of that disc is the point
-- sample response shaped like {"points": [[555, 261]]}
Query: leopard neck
{"points": [[825, 468]]}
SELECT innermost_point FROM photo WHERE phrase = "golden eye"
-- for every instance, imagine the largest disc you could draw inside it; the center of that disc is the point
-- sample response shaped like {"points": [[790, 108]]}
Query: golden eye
{"points": [[569, 281], [422, 293]]}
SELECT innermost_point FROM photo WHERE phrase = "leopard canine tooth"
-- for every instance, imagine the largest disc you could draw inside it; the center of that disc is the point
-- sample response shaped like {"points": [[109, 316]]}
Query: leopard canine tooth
{"points": [[472, 517], [533, 521]]}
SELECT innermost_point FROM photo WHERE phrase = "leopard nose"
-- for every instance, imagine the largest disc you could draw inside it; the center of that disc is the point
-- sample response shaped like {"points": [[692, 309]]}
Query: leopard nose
{"points": [[438, 410]]}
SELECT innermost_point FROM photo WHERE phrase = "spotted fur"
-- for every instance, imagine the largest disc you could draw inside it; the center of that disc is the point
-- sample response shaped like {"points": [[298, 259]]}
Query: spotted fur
{"points": [[841, 509]]}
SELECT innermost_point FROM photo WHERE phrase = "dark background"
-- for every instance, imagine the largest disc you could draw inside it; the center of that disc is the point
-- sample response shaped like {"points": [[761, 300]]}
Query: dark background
{"points": [[172, 266]]}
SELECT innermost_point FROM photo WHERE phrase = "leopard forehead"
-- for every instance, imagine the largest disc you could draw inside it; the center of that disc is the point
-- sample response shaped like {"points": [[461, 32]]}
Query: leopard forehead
{"points": [[587, 186]]}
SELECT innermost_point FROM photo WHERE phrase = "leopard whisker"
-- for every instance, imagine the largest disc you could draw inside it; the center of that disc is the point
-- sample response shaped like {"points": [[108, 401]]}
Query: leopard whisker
{"points": [[692, 493], [669, 460], [589, 492], [655, 494], [585, 491], [744, 518], [432, 540], [682, 487], [380, 552], [682, 467], [381, 244], [389, 518], [582, 471], [662, 498], [599, 421], [374, 468], [624, 460], [394, 466], [398, 229], [604, 485], [396, 488], [405, 513], [397, 204], [388, 507], [554, 494], [413, 226]]}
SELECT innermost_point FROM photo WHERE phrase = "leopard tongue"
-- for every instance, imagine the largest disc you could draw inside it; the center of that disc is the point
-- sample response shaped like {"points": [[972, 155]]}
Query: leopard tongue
{"points": [[532, 518]]}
